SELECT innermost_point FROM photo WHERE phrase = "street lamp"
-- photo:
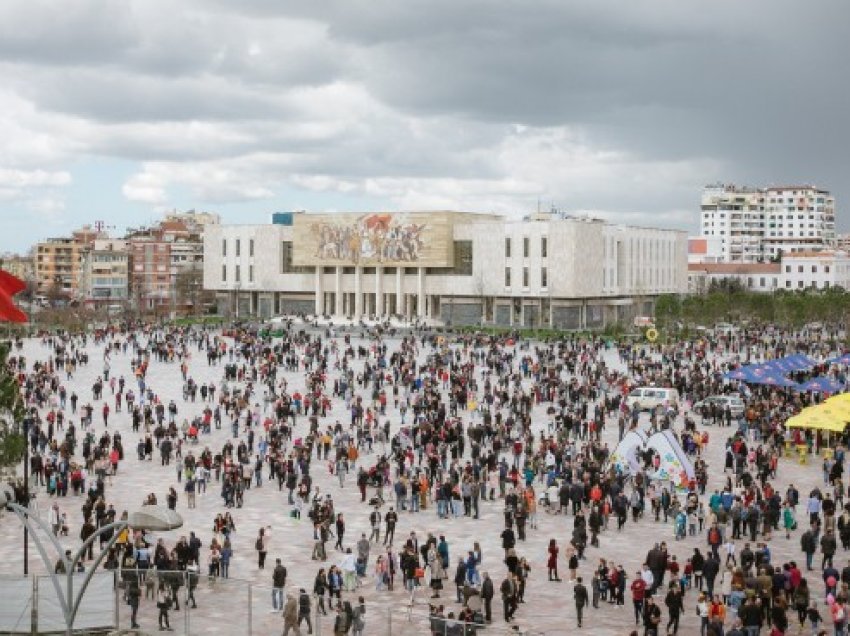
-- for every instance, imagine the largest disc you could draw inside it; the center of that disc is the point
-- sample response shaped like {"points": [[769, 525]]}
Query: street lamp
{"points": [[153, 518]]}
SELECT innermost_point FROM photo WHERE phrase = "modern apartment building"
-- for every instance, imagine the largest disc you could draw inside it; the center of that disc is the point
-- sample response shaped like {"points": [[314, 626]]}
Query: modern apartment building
{"points": [[58, 262], [166, 266], [798, 219], [735, 215], [454, 267], [758, 224], [104, 276]]}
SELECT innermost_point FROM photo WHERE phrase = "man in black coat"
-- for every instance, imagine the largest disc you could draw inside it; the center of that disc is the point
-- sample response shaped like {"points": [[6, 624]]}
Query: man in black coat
{"points": [[710, 570], [487, 596], [808, 544], [580, 596], [827, 547]]}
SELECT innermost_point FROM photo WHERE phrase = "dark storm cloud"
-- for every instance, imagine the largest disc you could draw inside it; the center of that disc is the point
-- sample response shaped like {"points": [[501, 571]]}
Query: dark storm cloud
{"points": [[624, 107]]}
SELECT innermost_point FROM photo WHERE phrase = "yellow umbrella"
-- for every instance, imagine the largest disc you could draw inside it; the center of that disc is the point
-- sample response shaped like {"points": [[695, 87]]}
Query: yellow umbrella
{"points": [[835, 411], [841, 398], [818, 422]]}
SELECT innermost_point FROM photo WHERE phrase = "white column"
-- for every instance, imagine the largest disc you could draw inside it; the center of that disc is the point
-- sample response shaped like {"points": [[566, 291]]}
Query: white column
{"points": [[358, 297], [339, 310], [319, 291], [399, 301], [379, 290], [420, 292]]}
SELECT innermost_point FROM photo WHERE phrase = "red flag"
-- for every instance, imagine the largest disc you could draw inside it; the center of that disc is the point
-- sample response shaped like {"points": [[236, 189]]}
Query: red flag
{"points": [[9, 286]]}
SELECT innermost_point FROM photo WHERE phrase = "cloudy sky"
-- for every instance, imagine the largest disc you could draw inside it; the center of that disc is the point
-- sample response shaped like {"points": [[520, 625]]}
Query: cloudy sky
{"points": [[116, 110]]}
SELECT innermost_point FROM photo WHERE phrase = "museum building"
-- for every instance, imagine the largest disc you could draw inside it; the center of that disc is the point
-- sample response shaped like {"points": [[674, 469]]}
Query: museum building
{"points": [[458, 268]]}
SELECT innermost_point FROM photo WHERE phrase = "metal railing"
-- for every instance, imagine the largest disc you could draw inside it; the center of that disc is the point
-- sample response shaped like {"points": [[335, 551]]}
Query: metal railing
{"points": [[211, 605]]}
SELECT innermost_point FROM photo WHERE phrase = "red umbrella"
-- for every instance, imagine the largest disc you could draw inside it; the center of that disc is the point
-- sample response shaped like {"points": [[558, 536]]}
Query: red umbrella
{"points": [[9, 286]]}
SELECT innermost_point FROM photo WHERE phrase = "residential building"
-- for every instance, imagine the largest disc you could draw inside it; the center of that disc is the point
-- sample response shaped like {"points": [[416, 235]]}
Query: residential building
{"points": [[167, 264], [754, 277], [815, 270], [104, 277], [21, 266], [454, 267], [798, 219], [735, 216], [58, 262], [759, 224], [705, 249]]}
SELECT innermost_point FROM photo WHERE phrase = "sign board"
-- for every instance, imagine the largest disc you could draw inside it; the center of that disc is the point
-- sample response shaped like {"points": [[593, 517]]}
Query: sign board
{"points": [[376, 238]]}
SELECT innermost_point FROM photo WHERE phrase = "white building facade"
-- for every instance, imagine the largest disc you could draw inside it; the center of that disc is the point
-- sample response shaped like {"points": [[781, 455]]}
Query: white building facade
{"points": [[798, 219], [735, 216], [816, 270], [756, 224], [454, 267]]}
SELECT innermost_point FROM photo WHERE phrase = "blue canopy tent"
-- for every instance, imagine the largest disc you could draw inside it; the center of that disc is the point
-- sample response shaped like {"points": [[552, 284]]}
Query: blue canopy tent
{"points": [[822, 384], [843, 359]]}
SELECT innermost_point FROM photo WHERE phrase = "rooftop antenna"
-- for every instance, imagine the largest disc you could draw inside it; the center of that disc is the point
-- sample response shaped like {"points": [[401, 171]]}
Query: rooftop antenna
{"points": [[101, 226]]}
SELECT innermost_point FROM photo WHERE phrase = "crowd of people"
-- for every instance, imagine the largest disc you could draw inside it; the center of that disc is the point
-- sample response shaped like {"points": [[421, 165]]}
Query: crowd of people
{"points": [[438, 430]]}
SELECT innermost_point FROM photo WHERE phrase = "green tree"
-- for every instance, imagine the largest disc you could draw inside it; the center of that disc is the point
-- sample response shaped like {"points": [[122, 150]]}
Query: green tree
{"points": [[12, 410], [668, 308]]}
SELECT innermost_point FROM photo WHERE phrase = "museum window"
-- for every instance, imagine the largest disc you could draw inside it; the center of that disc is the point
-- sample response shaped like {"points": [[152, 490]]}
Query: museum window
{"points": [[238, 247], [237, 277], [369, 271], [286, 253], [525, 277], [462, 258], [544, 277], [526, 246], [224, 273], [251, 247], [224, 247], [347, 270], [507, 248], [507, 276], [544, 247], [250, 273]]}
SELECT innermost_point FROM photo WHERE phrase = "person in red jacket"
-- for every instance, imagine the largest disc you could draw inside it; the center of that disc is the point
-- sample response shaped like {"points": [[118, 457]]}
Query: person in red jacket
{"points": [[638, 594]]}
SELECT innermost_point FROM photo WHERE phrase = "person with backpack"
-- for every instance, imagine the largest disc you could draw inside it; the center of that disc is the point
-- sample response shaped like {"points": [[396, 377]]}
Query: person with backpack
{"points": [[715, 539]]}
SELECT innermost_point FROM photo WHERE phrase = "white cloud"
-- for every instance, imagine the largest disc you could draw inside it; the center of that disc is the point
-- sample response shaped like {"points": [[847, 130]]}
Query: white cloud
{"points": [[474, 105], [145, 187]]}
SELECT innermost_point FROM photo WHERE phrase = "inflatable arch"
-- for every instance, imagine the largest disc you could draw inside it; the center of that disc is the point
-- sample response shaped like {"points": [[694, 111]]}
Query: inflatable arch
{"points": [[674, 465]]}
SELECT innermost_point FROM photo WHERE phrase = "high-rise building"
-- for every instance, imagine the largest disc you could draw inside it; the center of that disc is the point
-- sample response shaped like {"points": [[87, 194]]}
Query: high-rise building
{"points": [[734, 215], [758, 224], [798, 219]]}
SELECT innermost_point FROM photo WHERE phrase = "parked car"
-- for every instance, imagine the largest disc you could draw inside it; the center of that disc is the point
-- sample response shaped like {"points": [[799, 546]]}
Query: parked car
{"points": [[647, 398], [734, 402]]}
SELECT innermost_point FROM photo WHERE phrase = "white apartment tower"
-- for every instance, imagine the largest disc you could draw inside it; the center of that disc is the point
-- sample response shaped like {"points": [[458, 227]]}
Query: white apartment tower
{"points": [[755, 224], [798, 219], [736, 216]]}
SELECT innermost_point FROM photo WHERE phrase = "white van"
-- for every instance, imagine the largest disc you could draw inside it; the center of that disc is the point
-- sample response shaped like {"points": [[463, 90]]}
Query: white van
{"points": [[647, 398]]}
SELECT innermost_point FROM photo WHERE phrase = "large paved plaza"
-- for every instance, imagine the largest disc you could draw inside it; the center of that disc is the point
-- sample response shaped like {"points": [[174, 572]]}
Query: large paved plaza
{"points": [[223, 606]]}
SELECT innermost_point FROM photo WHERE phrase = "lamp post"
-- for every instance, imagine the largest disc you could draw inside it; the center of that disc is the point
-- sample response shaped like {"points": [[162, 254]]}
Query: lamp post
{"points": [[25, 425], [154, 518]]}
